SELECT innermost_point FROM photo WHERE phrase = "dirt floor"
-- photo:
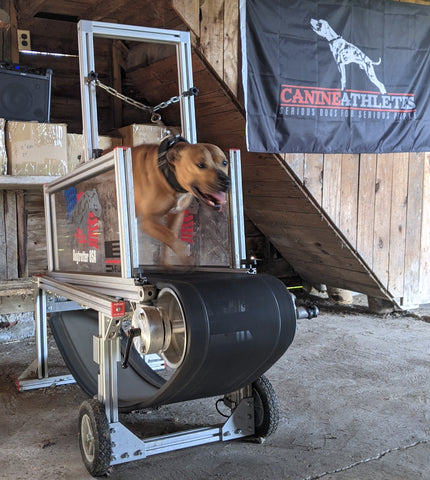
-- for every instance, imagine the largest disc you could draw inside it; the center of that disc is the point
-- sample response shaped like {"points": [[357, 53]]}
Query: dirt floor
{"points": [[354, 400]]}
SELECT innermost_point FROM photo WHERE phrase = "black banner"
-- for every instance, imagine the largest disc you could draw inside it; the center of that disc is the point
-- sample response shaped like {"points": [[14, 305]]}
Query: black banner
{"points": [[336, 76]]}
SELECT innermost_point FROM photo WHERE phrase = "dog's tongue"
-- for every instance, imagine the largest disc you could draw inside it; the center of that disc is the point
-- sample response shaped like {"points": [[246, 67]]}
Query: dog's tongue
{"points": [[220, 200]]}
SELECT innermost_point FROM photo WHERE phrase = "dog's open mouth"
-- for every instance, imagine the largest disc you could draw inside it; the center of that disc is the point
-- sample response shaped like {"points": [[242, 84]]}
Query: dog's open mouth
{"points": [[216, 201]]}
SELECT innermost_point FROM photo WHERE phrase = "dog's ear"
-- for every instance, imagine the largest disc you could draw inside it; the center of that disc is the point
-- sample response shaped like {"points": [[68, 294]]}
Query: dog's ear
{"points": [[217, 154], [174, 152]]}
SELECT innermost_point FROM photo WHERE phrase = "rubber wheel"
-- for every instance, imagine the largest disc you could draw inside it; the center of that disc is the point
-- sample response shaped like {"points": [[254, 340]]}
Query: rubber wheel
{"points": [[94, 437], [266, 409]]}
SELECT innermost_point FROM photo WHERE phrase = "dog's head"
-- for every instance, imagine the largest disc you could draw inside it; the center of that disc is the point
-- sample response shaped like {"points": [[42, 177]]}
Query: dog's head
{"points": [[201, 169], [320, 27]]}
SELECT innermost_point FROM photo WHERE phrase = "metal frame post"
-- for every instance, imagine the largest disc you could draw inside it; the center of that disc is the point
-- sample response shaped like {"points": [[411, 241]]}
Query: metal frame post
{"points": [[107, 355], [41, 334], [236, 211], [88, 30], [39, 366]]}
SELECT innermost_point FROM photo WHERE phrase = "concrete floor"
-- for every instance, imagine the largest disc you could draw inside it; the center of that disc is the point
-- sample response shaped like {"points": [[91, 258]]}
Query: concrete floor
{"points": [[354, 398]]}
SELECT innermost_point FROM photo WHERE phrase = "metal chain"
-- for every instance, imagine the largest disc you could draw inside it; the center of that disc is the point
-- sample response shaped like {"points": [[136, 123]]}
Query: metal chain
{"points": [[155, 117]]}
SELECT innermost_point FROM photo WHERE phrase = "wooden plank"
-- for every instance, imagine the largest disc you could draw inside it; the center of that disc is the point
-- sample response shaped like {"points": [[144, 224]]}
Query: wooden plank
{"points": [[366, 207], [16, 287], [313, 174], [315, 241], [13, 32], [117, 82], [231, 44], [399, 201], [21, 233], [318, 271], [36, 233], [381, 240], [425, 237], [12, 182], [11, 236], [279, 189], [288, 204], [3, 245], [413, 228], [212, 34], [270, 173], [296, 162], [188, 10], [29, 9], [299, 219], [349, 197], [332, 186]]}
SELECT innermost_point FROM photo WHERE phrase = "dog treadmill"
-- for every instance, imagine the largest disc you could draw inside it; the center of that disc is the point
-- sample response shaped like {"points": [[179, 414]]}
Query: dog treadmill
{"points": [[112, 306]]}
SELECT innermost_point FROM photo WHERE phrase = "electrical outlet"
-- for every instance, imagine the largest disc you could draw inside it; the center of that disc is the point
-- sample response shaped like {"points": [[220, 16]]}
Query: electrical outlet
{"points": [[24, 40]]}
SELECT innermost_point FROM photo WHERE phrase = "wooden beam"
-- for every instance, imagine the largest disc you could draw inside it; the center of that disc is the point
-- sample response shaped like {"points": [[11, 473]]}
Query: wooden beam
{"points": [[27, 10], [102, 9], [117, 63], [212, 34], [13, 33], [21, 233], [11, 236], [3, 245], [231, 45], [189, 12]]}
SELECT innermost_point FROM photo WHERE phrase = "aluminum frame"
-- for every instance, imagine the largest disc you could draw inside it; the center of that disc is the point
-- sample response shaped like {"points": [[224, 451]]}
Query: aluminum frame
{"points": [[88, 31], [237, 223], [100, 292], [118, 160]]}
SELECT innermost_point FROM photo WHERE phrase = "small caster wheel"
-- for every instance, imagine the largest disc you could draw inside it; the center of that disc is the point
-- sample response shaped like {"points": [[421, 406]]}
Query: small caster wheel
{"points": [[266, 409], [94, 437]]}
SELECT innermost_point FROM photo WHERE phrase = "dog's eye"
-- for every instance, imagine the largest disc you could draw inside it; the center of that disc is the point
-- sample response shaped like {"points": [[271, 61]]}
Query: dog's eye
{"points": [[201, 165], [225, 163]]}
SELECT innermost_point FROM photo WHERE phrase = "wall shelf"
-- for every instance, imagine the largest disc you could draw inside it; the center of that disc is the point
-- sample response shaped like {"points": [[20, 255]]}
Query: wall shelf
{"points": [[24, 182]]}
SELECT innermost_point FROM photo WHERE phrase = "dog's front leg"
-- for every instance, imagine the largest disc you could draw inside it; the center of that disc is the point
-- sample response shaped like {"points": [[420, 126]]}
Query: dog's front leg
{"points": [[152, 226], [342, 76], [174, 223]]}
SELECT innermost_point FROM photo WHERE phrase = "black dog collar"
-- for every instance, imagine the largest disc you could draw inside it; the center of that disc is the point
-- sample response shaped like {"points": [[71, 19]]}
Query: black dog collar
{"points": [[166, 169]]}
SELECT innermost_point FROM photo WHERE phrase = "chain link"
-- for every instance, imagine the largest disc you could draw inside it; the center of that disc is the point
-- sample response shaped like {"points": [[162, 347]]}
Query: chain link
{"points": [[155, 117]]}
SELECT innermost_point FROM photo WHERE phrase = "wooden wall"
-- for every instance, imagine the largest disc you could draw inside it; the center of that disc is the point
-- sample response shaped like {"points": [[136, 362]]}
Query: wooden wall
{"points": [[22, 234], [215, 28], [381, 203]]}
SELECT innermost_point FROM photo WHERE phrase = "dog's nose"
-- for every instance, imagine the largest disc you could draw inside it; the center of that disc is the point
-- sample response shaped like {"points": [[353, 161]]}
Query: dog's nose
{"points": [[223, 181]]}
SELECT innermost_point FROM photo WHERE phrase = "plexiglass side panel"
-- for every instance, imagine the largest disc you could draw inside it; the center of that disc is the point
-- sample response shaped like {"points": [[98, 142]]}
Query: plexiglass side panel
{"points": [[206, 234], [86, 237]]}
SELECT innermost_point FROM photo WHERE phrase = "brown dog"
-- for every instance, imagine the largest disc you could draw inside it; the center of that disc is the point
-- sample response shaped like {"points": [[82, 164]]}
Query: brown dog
{"points": [[166, 177]]}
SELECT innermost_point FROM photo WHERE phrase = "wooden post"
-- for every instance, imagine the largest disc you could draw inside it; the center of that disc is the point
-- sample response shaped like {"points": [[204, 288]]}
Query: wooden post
{"points": [[117, 63], [22, 233]]}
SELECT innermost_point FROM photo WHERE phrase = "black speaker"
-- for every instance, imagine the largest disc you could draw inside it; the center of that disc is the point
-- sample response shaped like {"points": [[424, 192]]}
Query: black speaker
{"points": [[25, 93]]}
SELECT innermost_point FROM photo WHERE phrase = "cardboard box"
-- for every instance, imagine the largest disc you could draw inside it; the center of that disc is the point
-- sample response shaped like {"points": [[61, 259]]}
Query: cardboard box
{"points": [[3, 154], [75, 147], [135, 134], [36, 148]]}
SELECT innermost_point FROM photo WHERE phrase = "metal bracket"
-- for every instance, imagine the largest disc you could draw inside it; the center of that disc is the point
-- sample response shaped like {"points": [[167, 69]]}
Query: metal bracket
{"points": [[48, 289], [127, 447]]}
